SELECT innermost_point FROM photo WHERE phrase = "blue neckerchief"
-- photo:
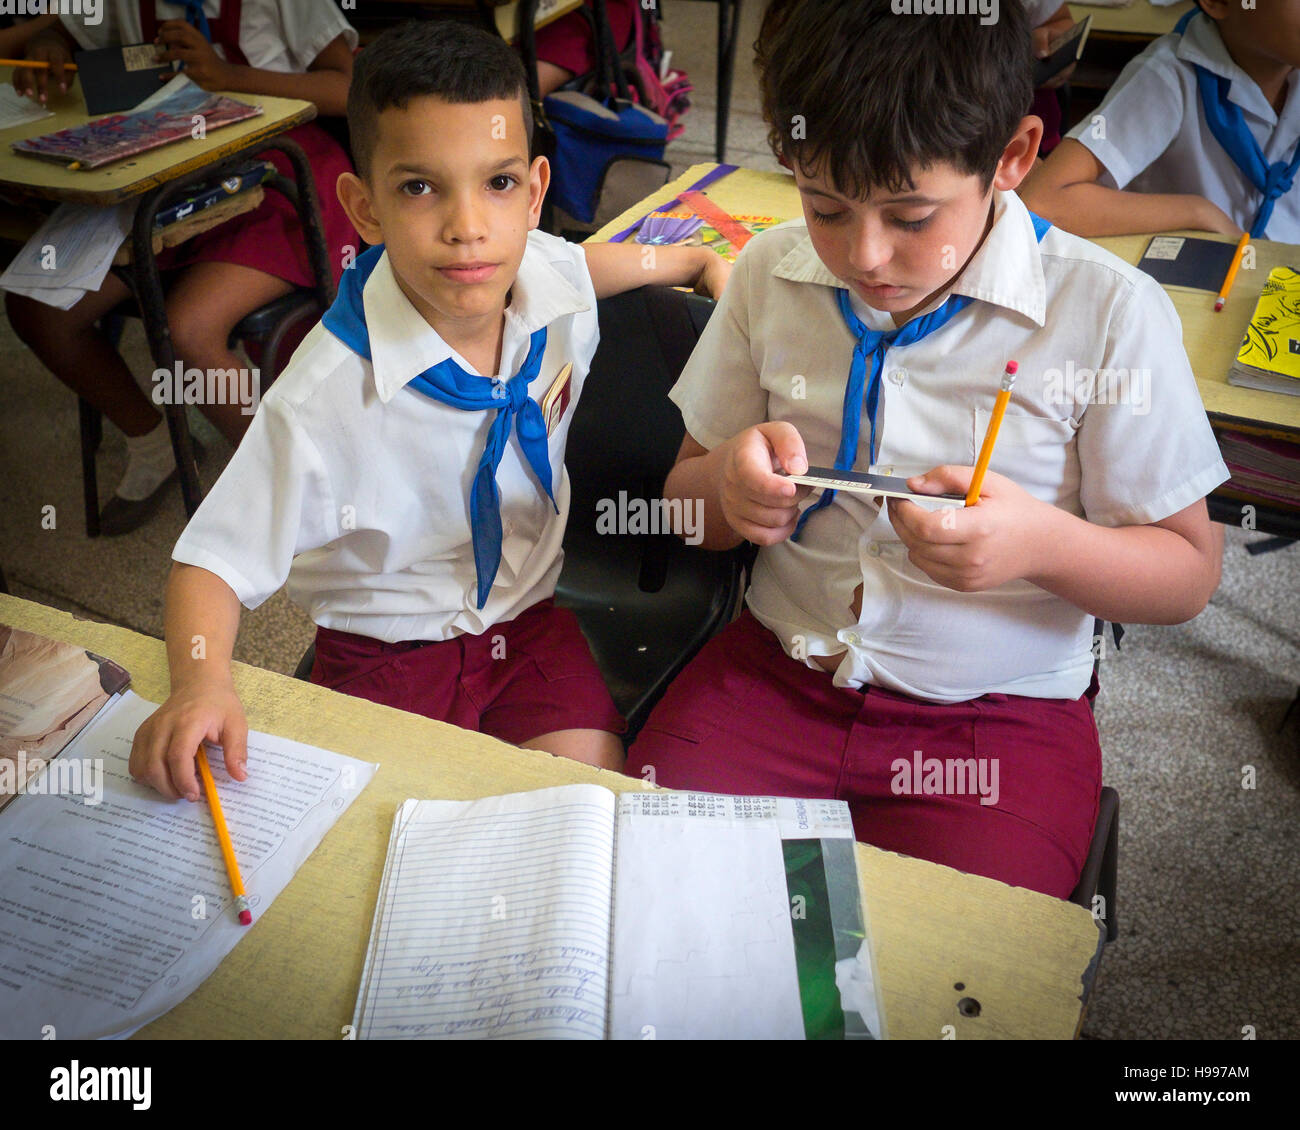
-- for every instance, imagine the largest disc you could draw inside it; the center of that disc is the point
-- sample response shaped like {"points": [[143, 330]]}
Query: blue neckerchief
{"points": [[448, 383], [195, 15], [870, 349], [1228, 124]]}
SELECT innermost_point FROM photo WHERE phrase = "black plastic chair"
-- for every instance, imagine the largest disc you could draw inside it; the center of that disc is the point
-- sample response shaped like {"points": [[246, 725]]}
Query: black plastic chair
{"points": [[647, 602], [1100, 870]]}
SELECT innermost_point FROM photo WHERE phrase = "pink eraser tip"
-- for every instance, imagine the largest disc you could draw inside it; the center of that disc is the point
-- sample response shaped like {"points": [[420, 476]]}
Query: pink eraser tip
{"points": [[1218, 304], [1013, 367], [245, 917]]}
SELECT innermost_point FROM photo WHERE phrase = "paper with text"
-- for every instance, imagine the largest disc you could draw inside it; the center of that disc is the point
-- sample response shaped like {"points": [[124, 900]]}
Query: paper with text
{"points": [[703, 944], [111, 914], [493, 919]]}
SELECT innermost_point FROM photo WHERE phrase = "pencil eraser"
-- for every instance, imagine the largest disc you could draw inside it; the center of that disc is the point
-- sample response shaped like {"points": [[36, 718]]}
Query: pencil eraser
{"points": [[1013, 367], [245, 917], [1218, 304]]}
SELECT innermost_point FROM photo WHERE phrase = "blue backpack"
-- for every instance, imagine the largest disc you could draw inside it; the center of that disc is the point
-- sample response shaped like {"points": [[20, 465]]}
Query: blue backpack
{"points": [[595, 124]]}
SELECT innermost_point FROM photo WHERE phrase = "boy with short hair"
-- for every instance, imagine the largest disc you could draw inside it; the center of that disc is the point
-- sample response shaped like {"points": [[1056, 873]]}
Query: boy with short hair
{"points": [[1202, 130], [886, 647], [415, 506]]}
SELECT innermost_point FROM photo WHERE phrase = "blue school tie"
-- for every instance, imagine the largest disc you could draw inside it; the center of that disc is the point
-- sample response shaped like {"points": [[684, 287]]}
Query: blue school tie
{"points": [[1228, 124], [195, 15], [869, 354], [449, 384]]}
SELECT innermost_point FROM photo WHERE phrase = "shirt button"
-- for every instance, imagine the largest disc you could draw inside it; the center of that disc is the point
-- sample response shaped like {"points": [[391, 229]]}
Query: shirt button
{"points": [[873, 548], [887, 470], [898, 376], [852, 639], [508, 529]]}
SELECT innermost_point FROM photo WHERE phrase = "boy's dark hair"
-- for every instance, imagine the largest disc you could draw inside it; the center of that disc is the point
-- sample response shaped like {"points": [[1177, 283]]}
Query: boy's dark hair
{"points": [[866, 96], [454, 61]]}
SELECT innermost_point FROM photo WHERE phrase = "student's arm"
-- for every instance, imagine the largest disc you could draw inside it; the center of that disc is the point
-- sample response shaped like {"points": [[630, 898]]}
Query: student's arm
{"points": [[1161, 573], [201, 623], [51, 44], [616, 267], [1064, 189], [741, 497], [325, 82]]}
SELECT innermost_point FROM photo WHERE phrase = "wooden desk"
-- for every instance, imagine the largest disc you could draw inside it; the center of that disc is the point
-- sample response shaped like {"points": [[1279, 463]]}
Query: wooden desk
{"points": [[121, 180], [1021, 955], [157, 177], [1141, 20], [1212, 341]]}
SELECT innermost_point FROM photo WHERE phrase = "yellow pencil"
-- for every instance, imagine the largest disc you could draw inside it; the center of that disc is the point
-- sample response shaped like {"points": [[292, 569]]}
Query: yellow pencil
{"points": [[37, 64], [223, 838], [1232, 272], [990, 436]]}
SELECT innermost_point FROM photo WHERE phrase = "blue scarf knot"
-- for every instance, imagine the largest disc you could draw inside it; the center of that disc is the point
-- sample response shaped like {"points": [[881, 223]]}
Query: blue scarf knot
{"points": [[1228, 125], [449, 384], [866, 367]]}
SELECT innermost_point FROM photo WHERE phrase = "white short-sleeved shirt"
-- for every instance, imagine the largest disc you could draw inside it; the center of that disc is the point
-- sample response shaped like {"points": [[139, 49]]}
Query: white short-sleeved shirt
{"points": [[355, 488], [274, 35], [1151, 135], [1116, 449]]}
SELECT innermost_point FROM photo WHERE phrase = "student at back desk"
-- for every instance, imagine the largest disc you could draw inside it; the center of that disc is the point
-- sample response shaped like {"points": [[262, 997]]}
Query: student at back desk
{"points": [[286, 48], [1202, 130]]}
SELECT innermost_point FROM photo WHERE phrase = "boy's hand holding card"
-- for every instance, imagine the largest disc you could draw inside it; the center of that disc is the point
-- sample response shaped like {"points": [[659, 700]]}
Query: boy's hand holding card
{"points": [[979, 547], [758, 500]]}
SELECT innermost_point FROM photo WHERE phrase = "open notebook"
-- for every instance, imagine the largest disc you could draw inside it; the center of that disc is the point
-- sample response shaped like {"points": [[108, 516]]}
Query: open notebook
{"points": [[575, 913]]}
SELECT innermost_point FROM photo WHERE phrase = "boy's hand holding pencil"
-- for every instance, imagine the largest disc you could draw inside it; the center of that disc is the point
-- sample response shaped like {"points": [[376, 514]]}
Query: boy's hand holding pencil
{"points": [[975, 548], [163, 754], [51, 66]]}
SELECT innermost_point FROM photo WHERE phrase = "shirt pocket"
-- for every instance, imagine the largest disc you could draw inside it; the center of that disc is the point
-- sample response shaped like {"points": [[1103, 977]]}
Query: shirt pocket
{"points": [[1037, 453]]}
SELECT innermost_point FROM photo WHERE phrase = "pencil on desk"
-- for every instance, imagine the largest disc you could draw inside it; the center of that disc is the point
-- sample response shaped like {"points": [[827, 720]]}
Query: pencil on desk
{"points": [[38, 64], [991, 436], [1232, 272], [223, 839]]}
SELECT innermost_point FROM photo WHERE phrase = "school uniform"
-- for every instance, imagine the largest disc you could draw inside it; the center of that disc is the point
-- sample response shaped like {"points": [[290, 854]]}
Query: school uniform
{"points": [[284, 36], [1152, 133], [1005, 672], [371, 498]]}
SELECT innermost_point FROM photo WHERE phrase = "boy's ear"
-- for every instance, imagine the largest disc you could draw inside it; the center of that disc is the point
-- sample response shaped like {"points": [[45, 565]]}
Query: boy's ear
{"points": [[354, 195], [1019, 155], [539, 180], [1215, 9]]}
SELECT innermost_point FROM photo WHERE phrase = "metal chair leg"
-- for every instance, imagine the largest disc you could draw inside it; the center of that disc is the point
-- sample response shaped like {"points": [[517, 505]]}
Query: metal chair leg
{"points": [[728, 32], [92, 430]]}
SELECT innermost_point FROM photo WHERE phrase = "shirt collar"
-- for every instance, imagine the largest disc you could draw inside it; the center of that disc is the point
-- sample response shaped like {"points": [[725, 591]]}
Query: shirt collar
{"points": [[1202, 45], [403, 345], [1006, 270]]}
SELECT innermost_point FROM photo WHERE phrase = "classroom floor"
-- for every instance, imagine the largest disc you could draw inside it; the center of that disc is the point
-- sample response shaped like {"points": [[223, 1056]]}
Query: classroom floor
{"points": [[1209, 900]]}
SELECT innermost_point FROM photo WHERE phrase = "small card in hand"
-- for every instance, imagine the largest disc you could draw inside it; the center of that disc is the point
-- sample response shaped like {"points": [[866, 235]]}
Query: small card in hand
{"points": [[887, 486], [114, 79]]}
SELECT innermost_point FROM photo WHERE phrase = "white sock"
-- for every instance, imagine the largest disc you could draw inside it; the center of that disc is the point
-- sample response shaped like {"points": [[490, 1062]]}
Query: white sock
{"points": [[149, 460]]}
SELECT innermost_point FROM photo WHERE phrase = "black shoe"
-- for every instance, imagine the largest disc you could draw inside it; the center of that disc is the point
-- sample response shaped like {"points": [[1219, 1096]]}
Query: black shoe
{"points": [[121, 516]]}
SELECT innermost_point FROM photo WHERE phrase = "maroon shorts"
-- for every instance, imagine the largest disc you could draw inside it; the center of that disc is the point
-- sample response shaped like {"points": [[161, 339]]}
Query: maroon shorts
{"points": [[567, 42], [1003, 785], [529, 676]]}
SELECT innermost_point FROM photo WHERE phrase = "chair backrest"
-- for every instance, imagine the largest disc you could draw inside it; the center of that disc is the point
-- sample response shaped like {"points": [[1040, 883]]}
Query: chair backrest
{"points": [[646, 601]]}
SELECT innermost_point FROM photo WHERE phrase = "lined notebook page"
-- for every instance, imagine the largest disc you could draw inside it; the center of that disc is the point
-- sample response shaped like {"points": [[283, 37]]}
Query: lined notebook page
{"points": [[493, 919]]}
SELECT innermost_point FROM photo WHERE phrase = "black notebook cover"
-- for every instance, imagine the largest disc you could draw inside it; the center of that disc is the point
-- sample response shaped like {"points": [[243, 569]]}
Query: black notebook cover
{"points": [[117, 78], [1176, 260]]}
